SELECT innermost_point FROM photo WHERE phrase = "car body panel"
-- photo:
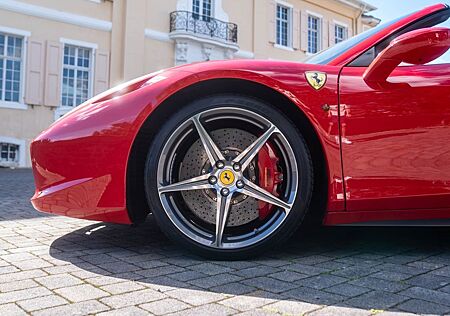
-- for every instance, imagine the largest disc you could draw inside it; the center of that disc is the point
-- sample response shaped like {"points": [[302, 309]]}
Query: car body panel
{"points": [[90, 147]]}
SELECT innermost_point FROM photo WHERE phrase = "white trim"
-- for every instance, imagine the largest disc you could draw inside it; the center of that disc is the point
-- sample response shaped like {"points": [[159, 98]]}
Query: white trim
{"points": [[319, 31], [244, 54], [290, 30], [13, 105], [157, 35], [288, 48], [21, 143], [199, 38], [14, 31], [60, 109], [78, 43], [285, 4], [96, 1], [340, 23], [25, 34], [55, 15], [317, 15]]}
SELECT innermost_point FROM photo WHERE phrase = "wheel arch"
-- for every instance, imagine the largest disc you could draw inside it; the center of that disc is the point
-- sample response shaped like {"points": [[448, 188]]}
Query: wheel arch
{"points": [[135, 194]]}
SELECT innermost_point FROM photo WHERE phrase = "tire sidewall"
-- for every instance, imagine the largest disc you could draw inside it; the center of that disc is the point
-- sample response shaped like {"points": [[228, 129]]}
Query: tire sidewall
{"points": [[294, 138]]}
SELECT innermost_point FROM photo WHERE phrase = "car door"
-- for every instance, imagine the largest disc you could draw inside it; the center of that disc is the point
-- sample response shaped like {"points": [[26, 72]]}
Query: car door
{"points": [[396, 139]]}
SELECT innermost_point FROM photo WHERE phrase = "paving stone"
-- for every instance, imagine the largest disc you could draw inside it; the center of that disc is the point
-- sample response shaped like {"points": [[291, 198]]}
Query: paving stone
{"points": [[376, 300], [291, 307], [256, 271], [378, 284], [445, 271], [187, 275], [165, 306], [429, 281], [208, 309], [391, 276], [320, 282], [427, 295], [32, 264], [234, 288], [305, 269], [313, 296], [11, 310], [126, 311], [195, 297], [132, 298], [42, 302], [123, 287], [246, 302], [17, 285], [423, 307], [341, 310], [81, 308], [79, 293], [269, 284], [348, 290], [210, 268], [288, 276], [14, 296], [57, 281]]}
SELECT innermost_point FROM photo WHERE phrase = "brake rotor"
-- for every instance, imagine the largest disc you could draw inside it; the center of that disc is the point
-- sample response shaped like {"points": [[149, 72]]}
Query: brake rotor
{"points": [[202, 202]]}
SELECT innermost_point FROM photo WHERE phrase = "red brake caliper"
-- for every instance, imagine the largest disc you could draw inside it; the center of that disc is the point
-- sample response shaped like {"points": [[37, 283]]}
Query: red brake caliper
{"points": [[269, 177]]}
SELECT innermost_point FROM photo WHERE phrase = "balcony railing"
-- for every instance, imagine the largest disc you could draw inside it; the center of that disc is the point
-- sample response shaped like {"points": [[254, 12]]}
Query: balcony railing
{"points": [[203, 25]]}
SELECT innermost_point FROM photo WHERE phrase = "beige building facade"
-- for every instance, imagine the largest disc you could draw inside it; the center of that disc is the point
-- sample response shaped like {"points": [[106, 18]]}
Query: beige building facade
{"points": [[56, 54]]}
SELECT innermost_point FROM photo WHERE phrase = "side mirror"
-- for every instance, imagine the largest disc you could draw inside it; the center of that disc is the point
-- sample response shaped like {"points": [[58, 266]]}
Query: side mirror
{"points": [[418, 47]]}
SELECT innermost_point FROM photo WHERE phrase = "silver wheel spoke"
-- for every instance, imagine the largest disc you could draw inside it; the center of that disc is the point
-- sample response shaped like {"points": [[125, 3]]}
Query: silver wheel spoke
{"points": [[259, 193], [197, 183], [223, 210], [250, 152], [211, 148]]}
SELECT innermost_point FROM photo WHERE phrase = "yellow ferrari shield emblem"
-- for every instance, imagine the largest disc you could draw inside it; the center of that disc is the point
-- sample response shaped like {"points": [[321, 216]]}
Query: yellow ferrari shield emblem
{"points": [[227, 177], [316, 79]]}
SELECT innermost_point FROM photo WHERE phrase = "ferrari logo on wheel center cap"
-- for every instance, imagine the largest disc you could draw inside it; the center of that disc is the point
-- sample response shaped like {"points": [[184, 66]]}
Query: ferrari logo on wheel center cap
{"points": [[226, 177]]}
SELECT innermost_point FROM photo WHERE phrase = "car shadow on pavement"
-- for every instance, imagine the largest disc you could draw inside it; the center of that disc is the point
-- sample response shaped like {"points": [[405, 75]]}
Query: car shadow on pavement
{"points": [[367, 268]]}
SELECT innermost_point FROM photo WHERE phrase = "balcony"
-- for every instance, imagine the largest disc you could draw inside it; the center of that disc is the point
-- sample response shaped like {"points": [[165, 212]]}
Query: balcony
{"points": [[184, 23]]}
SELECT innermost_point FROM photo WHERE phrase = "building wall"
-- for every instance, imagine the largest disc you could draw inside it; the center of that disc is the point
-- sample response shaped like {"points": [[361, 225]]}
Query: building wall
{"points": [[129, 38]]}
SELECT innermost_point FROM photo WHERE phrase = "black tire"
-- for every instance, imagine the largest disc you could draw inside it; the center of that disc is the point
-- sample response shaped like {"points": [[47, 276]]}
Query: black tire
{"points": [[302, 157]]}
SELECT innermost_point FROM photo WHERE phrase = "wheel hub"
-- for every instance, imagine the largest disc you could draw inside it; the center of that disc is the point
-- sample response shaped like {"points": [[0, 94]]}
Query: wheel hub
{"points": [[203, 202]]}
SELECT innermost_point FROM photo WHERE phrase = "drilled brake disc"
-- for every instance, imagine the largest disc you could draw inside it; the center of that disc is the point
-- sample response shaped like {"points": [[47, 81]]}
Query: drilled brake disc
{"points": [[201, 202]]}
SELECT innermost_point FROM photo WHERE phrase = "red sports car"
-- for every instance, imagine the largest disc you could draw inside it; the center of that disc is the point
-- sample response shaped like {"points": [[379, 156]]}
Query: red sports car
{"points": [[231, 156]]}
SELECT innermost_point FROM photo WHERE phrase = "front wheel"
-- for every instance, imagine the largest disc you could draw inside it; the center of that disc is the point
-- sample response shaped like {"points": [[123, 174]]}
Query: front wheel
{"points": [[228, 177]]}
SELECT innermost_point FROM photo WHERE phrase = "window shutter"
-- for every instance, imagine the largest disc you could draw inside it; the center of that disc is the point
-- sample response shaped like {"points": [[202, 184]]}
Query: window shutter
{"points": [[101, 75], [332, 34], [325, 35], [53, 74], [272, 21], [296, 29], [34, 88], [304, 31]]}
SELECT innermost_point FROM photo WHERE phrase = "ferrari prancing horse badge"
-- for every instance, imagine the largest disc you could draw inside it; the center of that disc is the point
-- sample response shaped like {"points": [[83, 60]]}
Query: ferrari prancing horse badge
{"points": [[316, 79]]}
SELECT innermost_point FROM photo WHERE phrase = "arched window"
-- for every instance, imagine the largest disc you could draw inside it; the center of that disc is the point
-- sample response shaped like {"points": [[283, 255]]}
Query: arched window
{"points": [[202, 9]]}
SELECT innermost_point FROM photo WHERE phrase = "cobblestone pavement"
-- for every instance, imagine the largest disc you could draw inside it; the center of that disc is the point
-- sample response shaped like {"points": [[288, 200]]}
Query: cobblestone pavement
{"points": [[59, 266]]}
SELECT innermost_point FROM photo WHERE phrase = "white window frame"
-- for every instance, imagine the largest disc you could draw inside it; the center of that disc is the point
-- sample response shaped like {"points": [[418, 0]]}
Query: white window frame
{"points": [[290, 9], [319, 18], [19, 142], [201, 8], [25, 34], [61, 110], [344, 26]]}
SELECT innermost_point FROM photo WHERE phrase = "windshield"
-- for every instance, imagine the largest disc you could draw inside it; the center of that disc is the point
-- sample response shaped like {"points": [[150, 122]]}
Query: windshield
{"points": [[331, 53]]}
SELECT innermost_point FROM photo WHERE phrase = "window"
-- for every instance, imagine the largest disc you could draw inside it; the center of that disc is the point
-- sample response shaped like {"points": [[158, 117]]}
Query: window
{"points": [[11, 51], [314, 34], [340, 33], [283, 25], [9, 153], [202, 8], [77, 65]]}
